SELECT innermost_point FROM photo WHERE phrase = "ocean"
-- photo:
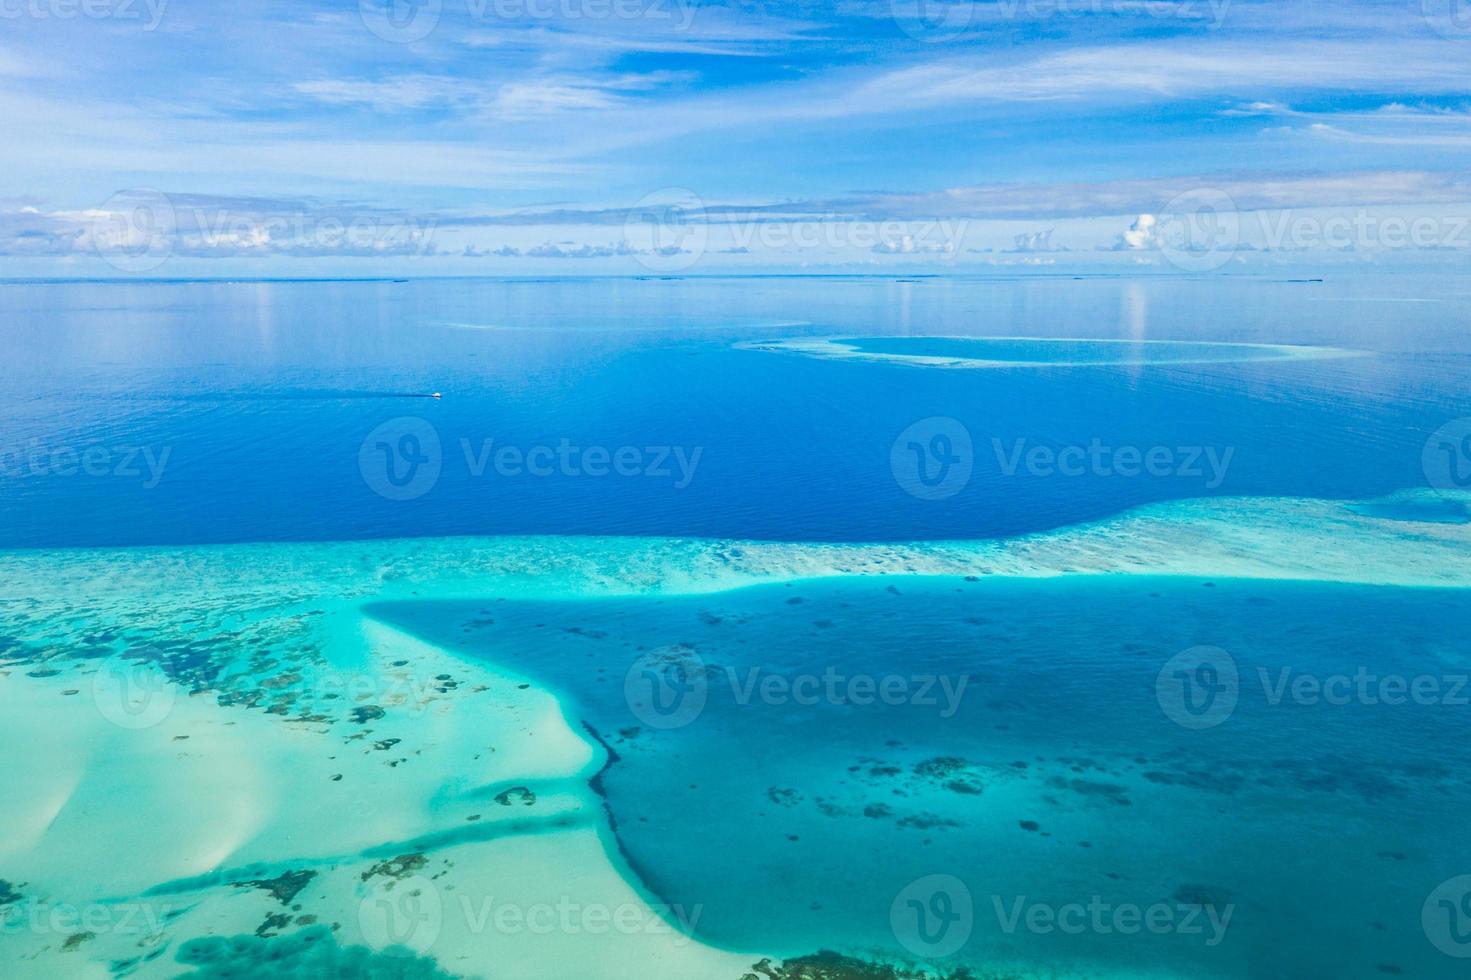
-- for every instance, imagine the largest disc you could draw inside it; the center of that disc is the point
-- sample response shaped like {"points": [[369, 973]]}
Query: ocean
{"points": [[1041, 626]]}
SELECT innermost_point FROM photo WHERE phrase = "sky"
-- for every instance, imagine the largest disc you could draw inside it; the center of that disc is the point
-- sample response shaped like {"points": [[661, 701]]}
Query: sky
{"points": [[506, 137]]}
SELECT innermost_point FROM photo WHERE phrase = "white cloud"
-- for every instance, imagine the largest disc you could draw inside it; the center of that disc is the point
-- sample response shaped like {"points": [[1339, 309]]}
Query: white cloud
{"points": [[908, 245], [1143, 234], [1168, 70], [406, 92], [214, 227]]}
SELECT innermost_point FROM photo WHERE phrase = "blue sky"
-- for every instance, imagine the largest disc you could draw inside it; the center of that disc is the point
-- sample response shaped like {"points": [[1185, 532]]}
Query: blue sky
{"points": [[501, 136]]}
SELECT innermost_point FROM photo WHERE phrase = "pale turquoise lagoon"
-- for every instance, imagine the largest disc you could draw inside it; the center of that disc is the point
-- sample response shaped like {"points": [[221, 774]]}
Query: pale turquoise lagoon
{"points": [[1034, 352]]}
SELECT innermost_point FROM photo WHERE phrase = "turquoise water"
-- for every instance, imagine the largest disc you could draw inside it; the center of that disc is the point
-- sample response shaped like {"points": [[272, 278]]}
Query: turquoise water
{"points": [[1039, 764]]}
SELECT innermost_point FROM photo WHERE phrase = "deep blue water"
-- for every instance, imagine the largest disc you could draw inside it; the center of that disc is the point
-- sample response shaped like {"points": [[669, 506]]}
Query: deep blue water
{"points": [[262, 396]]}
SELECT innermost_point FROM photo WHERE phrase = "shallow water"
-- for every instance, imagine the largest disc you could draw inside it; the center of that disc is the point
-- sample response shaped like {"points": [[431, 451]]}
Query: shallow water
{"points": [[1023, 749]]}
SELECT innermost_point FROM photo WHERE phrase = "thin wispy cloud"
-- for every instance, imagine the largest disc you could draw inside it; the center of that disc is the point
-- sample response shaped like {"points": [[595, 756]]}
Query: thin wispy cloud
{"points": [[1005, 111], [404, 92]]}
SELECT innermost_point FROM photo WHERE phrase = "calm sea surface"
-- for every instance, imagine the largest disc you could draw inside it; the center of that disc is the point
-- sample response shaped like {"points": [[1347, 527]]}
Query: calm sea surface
{"points": [[205, 412]]}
